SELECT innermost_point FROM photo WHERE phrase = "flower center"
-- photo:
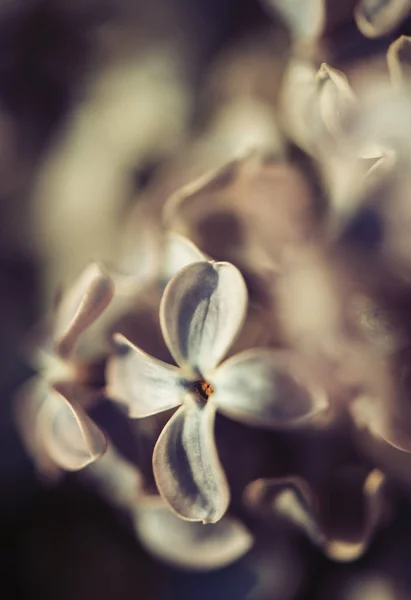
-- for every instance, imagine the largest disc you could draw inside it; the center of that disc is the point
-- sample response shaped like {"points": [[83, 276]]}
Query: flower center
{"points": [[204, 389]]}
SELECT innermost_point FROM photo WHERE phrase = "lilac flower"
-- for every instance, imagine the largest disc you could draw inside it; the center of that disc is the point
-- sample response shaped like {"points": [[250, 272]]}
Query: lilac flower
{"points": [[51, 409], [201, 313]]}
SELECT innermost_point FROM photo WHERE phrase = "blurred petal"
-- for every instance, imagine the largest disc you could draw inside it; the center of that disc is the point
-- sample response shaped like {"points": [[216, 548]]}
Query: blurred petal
{"points": [[229, 213], [305, 18], [81, 306], [370, 584], [379, 326], [292, 498], [309, 296], [343, 550], [186, 466], [196, 546], [202, 310], [178, 253], [335, 96], [144, 384], [299, 105], [399, 61], [69, 436], [116, 478], [28, 402], [381, 419], [375, 18], [140, 255], [265, 388]]}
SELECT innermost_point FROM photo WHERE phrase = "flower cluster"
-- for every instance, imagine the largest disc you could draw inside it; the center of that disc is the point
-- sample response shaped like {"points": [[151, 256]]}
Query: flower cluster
{"points": [[272, 292]]}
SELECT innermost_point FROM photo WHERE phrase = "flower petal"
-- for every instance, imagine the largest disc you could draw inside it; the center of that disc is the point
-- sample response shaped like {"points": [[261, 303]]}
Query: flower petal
{"points": [[306, 18], [81, 306], [266, 388], [69, 436], [347, 550], [292, 498], [289, 496], [375, 18], [335, 97], [116, 479], [28, 402], [179, 252], [186, 466], [190, 545], [202, 310], [399, 61], [383, 420], [144, 384]]}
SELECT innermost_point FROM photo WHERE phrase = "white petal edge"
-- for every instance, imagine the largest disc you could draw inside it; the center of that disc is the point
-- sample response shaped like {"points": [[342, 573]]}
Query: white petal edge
{"points": [[201, 313], [144, 384], [71, 439], [266, 388]]}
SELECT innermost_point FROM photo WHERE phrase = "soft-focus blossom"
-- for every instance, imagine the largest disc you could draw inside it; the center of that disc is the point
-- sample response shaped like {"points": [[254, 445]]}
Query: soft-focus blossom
{"points": [[183, 544], [293, 499], [201, 313], [305, 18], [375, 18], [51, 412]]}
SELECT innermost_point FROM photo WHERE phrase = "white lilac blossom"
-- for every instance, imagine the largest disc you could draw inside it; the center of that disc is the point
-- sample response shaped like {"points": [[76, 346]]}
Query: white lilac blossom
{"points": [[201, 313], [52, 409], [51, 412]]}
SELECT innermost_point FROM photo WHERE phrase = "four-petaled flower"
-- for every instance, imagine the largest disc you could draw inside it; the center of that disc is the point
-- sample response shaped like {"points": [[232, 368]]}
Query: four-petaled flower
{"points": [[202, 310]]}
